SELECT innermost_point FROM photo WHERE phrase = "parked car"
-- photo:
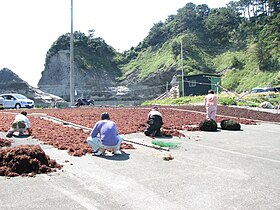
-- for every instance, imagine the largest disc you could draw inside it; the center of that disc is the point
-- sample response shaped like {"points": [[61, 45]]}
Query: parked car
{"points": [[257, 90], [1, 103], [266, 89], [17, 101], [84, 101]]}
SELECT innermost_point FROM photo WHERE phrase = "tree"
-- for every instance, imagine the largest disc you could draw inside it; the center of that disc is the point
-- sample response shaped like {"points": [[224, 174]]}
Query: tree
{"points": [[274, 6], [156, 35], [269, 36], [187, 18], [220, 22]]}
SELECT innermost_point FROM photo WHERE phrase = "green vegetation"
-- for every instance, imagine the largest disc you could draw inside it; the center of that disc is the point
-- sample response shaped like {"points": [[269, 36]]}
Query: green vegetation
{"points": [[149, 61], [90, 53], [175, 101], [253, 100], [257, 98], [241, 42]]}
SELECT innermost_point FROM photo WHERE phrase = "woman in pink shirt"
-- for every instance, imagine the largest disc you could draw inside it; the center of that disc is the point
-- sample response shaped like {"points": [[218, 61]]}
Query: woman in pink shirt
{"points": [[211, 103]]}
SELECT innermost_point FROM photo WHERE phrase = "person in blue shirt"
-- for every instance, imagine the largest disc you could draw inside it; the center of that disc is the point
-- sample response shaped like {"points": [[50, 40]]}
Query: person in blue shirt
{"points": [[104, 135]]}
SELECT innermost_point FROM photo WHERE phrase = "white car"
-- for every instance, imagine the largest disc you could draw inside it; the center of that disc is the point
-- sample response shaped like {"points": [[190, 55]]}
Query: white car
{"points": [[17, 101], [1, 103]]}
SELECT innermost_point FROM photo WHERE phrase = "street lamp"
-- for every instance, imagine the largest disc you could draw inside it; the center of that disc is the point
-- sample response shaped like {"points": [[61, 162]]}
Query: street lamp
{"points": [[183, 87], [72, 88]]}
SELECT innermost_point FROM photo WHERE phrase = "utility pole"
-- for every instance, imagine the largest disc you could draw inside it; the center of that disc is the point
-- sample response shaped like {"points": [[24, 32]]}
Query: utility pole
{"points": [[183, 86], [72, 80]]}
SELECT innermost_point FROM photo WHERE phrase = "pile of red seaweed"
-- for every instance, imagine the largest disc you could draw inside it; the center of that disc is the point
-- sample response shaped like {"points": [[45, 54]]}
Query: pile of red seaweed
{"points": [[26, 160], [5, 142], [128, 120]]}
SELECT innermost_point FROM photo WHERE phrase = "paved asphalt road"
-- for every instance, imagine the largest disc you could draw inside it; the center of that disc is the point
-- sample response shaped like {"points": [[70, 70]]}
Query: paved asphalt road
{"points": [[210, 170]]}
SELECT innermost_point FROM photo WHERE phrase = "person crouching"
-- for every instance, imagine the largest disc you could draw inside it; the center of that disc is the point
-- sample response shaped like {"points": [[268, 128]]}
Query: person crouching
{"points": [[104, 135], [154, 121], [20, 124]]}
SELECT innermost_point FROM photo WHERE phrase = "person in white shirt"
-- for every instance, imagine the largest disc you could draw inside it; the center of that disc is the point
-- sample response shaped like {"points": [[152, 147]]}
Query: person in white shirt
{"points": [[20, 124], [154, 121]]}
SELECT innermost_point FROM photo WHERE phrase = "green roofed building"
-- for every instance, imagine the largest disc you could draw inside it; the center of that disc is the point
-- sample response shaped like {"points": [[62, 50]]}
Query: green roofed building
{"points": [[199, 84]]}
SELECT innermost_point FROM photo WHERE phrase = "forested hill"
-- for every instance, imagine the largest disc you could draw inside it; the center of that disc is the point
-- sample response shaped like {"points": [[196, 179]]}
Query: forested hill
{"points": [[241, 42]]}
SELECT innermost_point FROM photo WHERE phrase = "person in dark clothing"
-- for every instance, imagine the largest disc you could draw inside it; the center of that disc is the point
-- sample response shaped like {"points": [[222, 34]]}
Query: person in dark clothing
{"points": [[155, 122]]}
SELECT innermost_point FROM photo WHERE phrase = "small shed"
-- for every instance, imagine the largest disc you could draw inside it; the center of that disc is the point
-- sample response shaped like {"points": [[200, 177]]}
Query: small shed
{"points": [[199, 84]]}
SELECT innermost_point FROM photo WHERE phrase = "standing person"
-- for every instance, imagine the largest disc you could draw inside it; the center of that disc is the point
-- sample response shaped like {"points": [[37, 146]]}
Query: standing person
{"points": [[20, 124], [104, 135], [154, 121], [211, 104]]}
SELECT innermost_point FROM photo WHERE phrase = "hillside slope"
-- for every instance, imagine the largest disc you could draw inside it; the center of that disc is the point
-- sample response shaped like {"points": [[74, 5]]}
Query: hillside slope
{"points": [[243, 48], [12, 83]]}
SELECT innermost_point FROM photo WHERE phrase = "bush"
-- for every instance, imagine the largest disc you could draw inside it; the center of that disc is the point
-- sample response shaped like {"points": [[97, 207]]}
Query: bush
{"points": [[208, 125], [230, 125], [227, 101], [247, 103]]}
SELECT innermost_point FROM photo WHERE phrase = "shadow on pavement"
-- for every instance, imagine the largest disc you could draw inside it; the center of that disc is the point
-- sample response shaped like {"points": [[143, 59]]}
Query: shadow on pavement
{"points": [[122, 157], [21, 136]]}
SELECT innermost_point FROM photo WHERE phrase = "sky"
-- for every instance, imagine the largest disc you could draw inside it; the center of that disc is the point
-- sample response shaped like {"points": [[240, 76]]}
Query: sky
{"points": [[29, 27]]}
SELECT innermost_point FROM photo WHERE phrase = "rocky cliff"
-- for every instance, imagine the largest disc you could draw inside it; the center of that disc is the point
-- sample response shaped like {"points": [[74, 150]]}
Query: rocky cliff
{"points": [[12, 83], [56, 78], [99, 84]]}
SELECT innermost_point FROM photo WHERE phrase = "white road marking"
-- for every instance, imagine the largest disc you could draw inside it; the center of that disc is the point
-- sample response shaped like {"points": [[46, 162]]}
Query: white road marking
{"points": [[236, 153], [74, 196]]}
